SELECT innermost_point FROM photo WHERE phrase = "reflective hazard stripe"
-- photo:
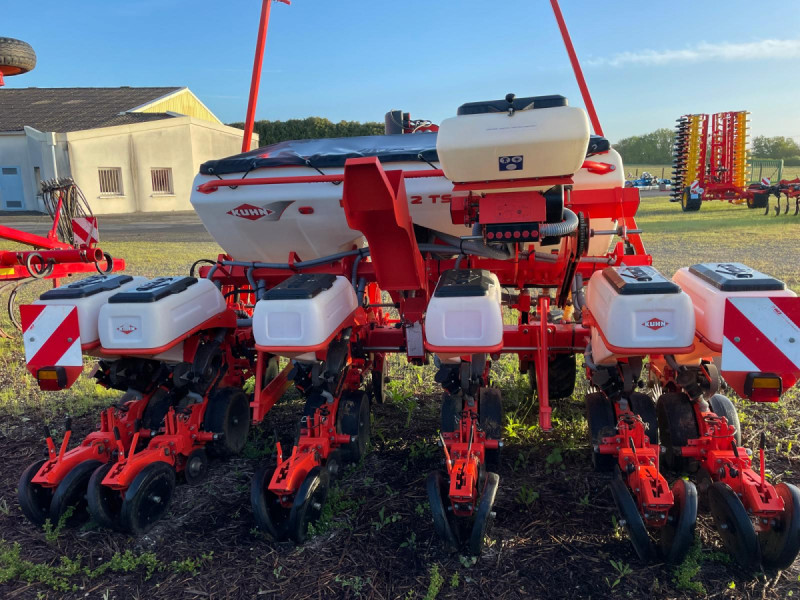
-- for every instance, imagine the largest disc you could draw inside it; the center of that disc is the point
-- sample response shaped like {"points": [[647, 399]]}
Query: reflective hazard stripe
{"points": [[762, 333], [51, 336], [84, 231]]}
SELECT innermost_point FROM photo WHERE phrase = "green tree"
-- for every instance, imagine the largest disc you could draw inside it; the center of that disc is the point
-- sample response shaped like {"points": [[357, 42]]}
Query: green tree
{"points": [[775, 147], [271, 132], [651, 148]]}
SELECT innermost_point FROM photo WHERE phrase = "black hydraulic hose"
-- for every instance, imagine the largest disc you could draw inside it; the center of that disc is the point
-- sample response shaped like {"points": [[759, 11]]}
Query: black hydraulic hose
{"points": [[565, 227], [473, 247]]}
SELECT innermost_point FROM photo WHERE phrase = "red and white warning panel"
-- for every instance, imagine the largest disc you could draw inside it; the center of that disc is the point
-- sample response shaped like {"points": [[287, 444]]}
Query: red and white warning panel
{"points": [[85, 231], [761, 346], [52, 342]]}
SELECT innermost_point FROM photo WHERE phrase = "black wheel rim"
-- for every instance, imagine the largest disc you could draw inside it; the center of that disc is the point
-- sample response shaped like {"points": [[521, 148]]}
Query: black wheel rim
{"points": [[308, 503], [353, 419], [439, 502], [71, 494], [196, 468], [734, 526], [602, 423], [147, 500], [780, 543], [484, 516], [633, 522], [238, 424], [104, 503], [268, 512], [334, 464], [677, 534], [34, 500]]}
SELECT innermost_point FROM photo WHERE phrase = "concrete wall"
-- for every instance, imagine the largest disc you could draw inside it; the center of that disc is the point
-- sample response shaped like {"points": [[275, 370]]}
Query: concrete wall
{"points": [[181, 144], [28, 150]]}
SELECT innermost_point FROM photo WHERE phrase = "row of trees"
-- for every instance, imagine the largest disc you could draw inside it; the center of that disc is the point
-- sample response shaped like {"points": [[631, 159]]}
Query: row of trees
{"points": [[270, 132], [655, 148]]}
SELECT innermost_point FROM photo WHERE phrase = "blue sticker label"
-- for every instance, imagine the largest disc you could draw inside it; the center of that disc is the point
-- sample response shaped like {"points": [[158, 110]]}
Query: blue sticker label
{"points": [[510, 163]]}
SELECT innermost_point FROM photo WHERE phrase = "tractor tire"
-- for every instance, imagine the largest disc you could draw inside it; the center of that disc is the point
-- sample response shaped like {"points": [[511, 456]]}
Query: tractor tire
{"points": [[16, 57], [602, 423], [561, 374], [643, 406], [677, 425], [723, 407], [758, 201], [689, 204]]}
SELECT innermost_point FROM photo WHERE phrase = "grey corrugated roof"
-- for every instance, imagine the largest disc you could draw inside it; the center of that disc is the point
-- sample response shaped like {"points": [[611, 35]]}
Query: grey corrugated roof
{"points": [[74, 109]]}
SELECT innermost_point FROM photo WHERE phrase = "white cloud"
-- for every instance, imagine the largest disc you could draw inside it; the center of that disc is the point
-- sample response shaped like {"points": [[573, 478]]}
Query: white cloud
{"points": [[704, 52]]}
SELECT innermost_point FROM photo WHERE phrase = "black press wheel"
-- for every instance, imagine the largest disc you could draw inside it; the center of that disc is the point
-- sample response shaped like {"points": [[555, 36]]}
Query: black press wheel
{"points": [[781, 542], [228, 413], [631, 519], [643, 406], [602, 423], [677, 425], [104, 503], [723, 407], [379, 378], [308, 502], [71, 493], [561, 375], [734, 525], [439, 500], [689, 204], [196, 469], [676, 537], [452, 406], [353, 419], [490, 415], [34, 500], [268, 512], [148, 497], [485, 515]]}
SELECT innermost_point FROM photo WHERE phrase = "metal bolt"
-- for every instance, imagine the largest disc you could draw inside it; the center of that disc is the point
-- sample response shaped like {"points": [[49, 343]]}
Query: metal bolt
{"points": [[737, 339], [622, 522], [723, 526], [316, 505], [69, 339], [791, 340]]}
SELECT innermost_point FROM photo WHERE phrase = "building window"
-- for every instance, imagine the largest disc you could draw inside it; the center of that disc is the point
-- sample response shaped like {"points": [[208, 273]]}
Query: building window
{"points": [[162, 181], [110, 181]]}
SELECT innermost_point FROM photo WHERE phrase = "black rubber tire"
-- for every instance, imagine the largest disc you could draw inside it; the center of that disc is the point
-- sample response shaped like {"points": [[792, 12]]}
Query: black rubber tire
{"points": [[758, 201], [451, 409], [634, 525], [353, 418], [269, 514], [723, 407], [34, 500], [602, 423], [104, 503], [561, 376], [734, 526], [490, 416], [378, 380], [228, 413], [335, 464], [439, 501], [676, 537], [147, 499], [16, 57], [781, 543], [484, 515], [689, 204], [643, 406], [307, 505], [71, 492], [676, 425]]}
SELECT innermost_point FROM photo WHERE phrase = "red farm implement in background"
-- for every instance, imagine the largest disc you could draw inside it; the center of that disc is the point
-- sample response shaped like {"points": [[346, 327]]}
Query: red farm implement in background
{"points": [[70, 247], [710, 163], [338, 253]]}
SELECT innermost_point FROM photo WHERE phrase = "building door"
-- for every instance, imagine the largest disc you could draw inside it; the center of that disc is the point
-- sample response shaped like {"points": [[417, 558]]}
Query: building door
{"points": [[11, 194]]}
